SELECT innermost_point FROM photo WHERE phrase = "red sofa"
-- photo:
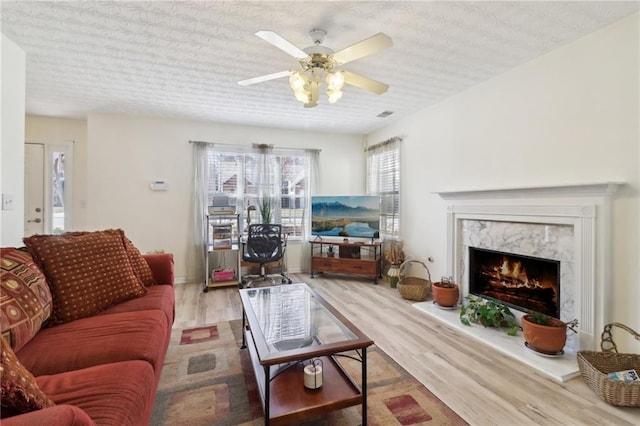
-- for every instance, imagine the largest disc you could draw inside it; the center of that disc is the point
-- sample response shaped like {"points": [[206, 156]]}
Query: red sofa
{"points": [[104, 369]]}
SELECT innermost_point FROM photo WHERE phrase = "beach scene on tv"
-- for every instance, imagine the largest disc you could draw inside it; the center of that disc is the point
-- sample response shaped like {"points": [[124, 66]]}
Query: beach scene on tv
{"points": [[346, 216]]}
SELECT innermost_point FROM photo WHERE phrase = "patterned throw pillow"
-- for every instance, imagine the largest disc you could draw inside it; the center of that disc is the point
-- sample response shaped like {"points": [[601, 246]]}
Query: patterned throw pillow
{"points": [[25, 301], [87, 272], [19, 390], [140, 266]]}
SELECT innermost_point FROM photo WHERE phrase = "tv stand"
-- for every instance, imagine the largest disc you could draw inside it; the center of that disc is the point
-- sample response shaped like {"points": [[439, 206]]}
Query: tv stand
{"points": [[347, 258]]}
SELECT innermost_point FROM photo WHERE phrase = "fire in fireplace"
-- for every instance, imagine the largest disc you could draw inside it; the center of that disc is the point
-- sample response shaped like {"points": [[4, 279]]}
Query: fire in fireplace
{"points": [[523, 282]]}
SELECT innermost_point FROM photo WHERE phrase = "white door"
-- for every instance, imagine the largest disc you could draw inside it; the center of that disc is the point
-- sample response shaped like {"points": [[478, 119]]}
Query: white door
{"points": [[34, 189], [48, 196]]}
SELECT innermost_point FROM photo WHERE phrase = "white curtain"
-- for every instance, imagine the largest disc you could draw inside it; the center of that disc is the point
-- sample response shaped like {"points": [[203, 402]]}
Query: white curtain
{"points": [[312, 163], [200, 199]]}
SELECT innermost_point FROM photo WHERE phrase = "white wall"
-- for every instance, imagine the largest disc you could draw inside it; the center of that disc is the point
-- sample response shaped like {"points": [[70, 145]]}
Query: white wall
{"points": [[125, 153], [12, 143], [571, 116], [51, 130]]}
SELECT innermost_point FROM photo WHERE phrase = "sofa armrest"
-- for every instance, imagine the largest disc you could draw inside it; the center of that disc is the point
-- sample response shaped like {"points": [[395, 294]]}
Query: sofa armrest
{"points": [[162, 267], [58, 415]]}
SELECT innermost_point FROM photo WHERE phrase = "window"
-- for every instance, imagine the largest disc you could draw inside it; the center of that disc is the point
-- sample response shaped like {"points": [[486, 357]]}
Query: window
{"points": [[250, 177], [383, 179]]}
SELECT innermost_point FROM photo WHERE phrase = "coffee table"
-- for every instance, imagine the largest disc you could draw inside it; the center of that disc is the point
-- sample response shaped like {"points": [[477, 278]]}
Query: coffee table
{"points": [[287, 326]]}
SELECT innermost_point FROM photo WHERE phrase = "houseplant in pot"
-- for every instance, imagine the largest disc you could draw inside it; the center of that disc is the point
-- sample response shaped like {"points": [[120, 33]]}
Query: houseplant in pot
{"points": [[546, 334], [395, 256], [489, 313], [445, 293]]}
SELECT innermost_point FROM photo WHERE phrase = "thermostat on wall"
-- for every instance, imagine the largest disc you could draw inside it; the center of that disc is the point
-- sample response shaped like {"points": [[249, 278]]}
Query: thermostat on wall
{"points": [[159, 185]]}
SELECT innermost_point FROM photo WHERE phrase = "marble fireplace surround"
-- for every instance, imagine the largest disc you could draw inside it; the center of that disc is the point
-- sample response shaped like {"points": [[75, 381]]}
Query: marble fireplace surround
{"points": [[566, 223]]}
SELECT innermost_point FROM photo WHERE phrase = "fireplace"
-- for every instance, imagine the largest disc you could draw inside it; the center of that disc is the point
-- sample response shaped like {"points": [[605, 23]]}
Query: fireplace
{"points": [[565, 226], [525, 283]]}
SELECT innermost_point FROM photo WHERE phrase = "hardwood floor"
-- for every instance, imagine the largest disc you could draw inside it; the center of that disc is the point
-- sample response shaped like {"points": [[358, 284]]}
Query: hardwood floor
{"points": [[480, 384]]}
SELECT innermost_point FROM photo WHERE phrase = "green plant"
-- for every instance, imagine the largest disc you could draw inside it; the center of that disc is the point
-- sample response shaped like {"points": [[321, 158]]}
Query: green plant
{"points": [[543, 319], [489, 313], [266, 210]]}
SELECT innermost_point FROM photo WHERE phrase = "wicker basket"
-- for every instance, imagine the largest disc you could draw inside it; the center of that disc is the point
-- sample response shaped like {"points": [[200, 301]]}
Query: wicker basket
{"points": [[594, 367], [413, 288]]}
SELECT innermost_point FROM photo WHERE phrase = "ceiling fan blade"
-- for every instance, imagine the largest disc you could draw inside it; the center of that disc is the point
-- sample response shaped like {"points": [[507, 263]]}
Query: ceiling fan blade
{"points": [[282, 44], [262, 78], [364, 83], [363, 48]]}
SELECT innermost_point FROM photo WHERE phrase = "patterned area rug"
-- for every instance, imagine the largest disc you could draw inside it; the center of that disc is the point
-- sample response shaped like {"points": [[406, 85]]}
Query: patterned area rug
{"points": [[207, 379]]}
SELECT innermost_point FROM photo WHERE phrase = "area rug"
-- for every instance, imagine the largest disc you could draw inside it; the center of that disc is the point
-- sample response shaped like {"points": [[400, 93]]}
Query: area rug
{"points": [[208, 380]]}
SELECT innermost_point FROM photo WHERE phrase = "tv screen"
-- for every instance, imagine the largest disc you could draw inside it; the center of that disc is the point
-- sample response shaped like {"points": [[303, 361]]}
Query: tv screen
{"points": [[346, 216]]}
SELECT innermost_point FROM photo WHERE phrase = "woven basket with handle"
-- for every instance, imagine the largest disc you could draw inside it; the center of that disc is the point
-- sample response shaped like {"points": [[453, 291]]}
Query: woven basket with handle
{"points": [[414, 288], [595, 366]]}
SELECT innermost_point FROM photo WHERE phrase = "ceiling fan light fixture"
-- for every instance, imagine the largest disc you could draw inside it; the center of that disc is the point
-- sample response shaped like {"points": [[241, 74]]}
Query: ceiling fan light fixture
{"points": [[317, 63], [335, 80], [334, 95], [297, 81], [301, 95]]}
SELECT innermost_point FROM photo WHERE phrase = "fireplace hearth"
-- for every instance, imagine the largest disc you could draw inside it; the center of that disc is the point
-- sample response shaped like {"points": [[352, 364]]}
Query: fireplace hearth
{"points": [[526, 283]]}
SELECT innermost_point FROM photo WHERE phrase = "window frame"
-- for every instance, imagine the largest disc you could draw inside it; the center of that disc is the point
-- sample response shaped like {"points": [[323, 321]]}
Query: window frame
{"points": [[383, 179], [249, 188]]}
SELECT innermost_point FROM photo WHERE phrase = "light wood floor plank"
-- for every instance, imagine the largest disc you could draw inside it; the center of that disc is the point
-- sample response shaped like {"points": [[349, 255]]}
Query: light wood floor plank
{"points": [[482, 385]]}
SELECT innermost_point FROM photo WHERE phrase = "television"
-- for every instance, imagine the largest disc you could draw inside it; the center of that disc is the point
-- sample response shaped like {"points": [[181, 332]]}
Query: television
{"points": [[346, 216]]}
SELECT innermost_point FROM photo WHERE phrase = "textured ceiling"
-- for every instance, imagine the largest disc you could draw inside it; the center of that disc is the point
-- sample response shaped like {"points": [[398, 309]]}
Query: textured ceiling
{"points": [[183, 59]]}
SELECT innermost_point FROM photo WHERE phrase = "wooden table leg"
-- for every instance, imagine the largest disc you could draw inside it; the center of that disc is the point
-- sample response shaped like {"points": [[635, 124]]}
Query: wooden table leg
{"points": [[267, 388], [364, 386]]}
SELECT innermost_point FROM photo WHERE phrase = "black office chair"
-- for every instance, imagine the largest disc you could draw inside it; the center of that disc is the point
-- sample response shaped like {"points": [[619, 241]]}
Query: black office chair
{"points": [[265, 244]]}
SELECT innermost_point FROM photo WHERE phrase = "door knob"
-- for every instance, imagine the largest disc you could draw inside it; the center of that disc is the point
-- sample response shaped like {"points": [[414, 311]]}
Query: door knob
{"points": [[38, 220], [38, 209]]}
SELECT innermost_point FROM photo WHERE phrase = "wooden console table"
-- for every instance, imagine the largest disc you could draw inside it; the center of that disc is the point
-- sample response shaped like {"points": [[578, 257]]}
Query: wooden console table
{"points": [[347, 258]]}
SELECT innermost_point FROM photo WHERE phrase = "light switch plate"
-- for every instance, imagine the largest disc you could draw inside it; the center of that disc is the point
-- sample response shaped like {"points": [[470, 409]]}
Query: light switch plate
{"points": [[7, 201]]}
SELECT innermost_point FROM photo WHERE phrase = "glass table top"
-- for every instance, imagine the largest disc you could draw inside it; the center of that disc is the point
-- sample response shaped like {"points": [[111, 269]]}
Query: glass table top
{"points": [[294, 318]]}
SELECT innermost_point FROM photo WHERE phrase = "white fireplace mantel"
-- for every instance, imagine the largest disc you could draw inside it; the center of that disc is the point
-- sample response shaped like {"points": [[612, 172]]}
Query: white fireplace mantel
{"points": [[574, 190], [579, 214]]}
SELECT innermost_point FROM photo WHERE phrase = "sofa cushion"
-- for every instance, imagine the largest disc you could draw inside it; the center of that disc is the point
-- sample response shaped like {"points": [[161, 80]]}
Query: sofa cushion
{"points": [[97, 340], [26, 300], [19, 390], [87, 272], [140, 266], [113, 394], [160, 297]]}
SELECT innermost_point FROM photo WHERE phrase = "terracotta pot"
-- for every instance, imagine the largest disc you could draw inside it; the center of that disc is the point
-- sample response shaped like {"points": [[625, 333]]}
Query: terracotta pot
{"points": [[549, 339], [444, 296]]}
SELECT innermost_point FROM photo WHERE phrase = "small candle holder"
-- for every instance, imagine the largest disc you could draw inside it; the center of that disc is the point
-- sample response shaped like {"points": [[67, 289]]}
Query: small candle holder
{"points": [[313, 374]]}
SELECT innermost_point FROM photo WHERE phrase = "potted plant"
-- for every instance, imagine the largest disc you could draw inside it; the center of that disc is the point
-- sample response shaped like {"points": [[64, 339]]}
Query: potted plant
{"points": [[546, 334], [265, 210], [446, 293], [489, 313], [395, 256]]}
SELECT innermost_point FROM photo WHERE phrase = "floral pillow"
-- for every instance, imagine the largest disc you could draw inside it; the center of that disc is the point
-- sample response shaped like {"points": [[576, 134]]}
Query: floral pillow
{"points": [[20, 392], [26, 299], [86, 271]]}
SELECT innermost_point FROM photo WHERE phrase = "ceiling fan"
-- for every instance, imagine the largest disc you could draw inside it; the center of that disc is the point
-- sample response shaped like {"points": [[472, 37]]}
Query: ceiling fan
{"points": [[319, 63]]}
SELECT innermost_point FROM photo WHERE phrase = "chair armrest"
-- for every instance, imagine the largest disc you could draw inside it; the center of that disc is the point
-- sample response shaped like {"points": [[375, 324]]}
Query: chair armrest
{"points": [[58, 415], [162, 267]]}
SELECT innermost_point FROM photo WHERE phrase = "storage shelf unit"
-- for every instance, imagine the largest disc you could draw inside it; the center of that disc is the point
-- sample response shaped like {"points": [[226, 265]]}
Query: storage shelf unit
{"points": [[222, 249], [347, 258]]}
